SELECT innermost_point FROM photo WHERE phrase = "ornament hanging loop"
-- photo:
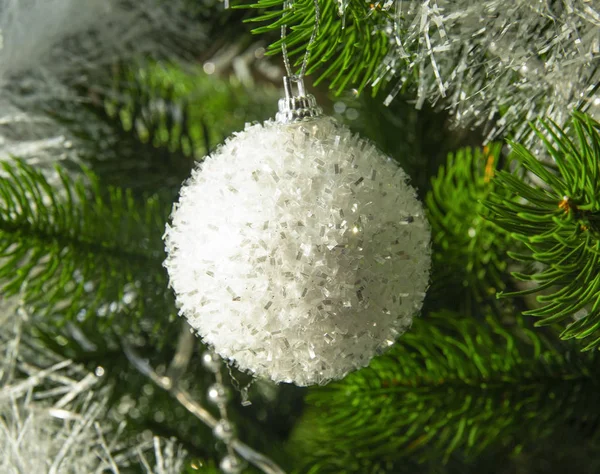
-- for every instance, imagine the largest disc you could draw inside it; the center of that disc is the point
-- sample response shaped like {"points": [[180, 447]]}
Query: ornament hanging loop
{"points": [[297, 104]]}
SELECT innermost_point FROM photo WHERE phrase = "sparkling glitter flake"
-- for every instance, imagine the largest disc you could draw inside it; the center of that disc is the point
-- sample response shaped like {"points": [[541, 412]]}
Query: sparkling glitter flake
{"points": [[298, 251]]}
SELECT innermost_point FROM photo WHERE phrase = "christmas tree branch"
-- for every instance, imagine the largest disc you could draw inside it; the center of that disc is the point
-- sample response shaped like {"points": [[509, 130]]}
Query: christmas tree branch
{"points": [[146, 128], [450, 384], [559, 225], [75, 250], [351, 43], [259, 460], [469, 252]]}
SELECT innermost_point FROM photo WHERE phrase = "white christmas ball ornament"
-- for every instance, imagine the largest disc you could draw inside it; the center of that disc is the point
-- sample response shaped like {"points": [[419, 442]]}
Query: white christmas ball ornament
{"points": [[298, 251]]}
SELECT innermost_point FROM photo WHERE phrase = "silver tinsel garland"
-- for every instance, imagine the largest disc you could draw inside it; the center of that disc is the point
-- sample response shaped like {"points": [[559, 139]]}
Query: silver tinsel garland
{"points": [[53, 414], [495, 63]]}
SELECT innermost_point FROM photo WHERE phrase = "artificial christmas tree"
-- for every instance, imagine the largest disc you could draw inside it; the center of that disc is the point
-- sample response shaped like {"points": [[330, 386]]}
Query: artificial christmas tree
{"points": [[108, 106]]}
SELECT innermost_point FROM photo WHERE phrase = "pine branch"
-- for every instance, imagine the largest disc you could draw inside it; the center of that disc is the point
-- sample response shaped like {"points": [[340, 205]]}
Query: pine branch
{"points": [[450, 384], [348, 47], [469, 250], [146, 128], [419, 152], [559, 224], [76, 250]]}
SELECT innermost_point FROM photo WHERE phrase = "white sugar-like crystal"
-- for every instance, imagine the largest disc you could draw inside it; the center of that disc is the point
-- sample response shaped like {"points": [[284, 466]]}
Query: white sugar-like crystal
{"points": [[290, 247]]}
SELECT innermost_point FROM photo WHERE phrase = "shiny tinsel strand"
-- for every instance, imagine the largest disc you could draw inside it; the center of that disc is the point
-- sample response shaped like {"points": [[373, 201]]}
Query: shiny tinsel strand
{"points": [[53, 416]]}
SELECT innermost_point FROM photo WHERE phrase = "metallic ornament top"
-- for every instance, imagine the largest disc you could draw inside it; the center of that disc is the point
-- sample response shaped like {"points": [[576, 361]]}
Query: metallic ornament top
{"points": [[299, 106]]}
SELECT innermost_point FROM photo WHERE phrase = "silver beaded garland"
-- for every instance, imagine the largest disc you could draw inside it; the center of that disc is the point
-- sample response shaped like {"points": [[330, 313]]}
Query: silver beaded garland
{"points": [[211, 361], [231, 465], [217, 393], [224, 429]]}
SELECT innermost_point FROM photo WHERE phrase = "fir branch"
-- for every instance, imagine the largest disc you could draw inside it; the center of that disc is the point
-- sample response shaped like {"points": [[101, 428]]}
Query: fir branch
{"points": [[559, 224], [469, 250], [77, 250], [348, 47], [450, 384], [147, 127]]}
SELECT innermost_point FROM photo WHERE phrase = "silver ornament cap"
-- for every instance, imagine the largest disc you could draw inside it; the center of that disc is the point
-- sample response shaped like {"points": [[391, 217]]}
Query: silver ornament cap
{"points": [[297, 105]]}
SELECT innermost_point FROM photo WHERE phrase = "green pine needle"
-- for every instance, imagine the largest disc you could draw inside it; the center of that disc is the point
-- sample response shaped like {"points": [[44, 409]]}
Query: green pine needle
{"points": [[74, 250], [348, 48], [559, 224], [468, 249], [450, 384]]}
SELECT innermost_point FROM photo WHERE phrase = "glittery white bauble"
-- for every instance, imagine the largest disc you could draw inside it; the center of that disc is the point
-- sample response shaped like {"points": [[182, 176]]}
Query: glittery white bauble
{"points": [[298, 251]]}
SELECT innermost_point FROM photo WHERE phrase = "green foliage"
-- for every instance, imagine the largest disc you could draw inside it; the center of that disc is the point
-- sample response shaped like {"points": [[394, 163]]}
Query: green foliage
{"points": [[451, 384], [197, 466], [348, 48], [419, 140], [455, 395], [72, 249], [130, 394], [559, 224], [468, 250], [180, 109], [146, 128]]}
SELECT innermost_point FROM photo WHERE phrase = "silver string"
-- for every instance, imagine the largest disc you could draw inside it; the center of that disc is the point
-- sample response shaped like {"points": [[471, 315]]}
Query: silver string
{"points": [[286, 60], [288, 5]]}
